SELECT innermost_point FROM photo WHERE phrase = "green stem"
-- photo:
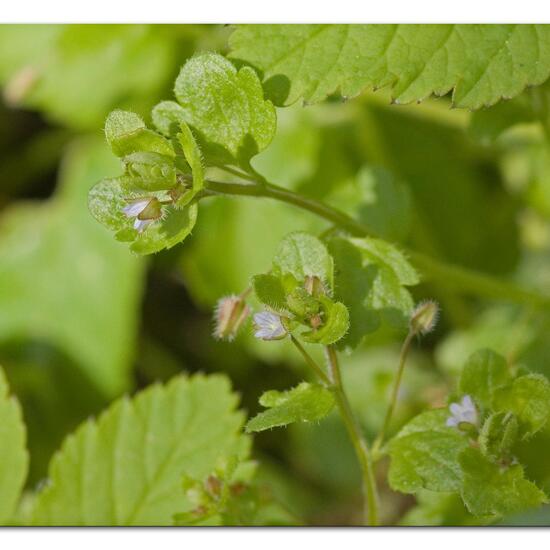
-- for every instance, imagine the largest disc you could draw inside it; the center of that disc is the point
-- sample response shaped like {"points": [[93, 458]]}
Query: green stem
{"points": [[354, 431], [309, 360], [465, 280], [395, 391]]}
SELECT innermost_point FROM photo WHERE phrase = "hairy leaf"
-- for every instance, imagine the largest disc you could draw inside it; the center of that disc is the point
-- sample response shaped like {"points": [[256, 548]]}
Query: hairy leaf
{"points": [[424, 455], [483, 373], [528, 397], [335, 324], [226, 108], [304, 403], [492, 490], [14, 460], [126, 467], [371, 277], [481, 64]]}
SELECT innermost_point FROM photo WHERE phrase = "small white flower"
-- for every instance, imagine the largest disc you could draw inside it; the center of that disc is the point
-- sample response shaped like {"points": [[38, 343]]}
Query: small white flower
{"points": [[268, 326], [145, 211], [465, 411]]}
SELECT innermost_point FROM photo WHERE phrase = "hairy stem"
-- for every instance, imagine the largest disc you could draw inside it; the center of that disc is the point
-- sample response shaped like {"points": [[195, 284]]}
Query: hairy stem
{"points": [[463, 279], [309, 360], [354, 431], [395, 391]]}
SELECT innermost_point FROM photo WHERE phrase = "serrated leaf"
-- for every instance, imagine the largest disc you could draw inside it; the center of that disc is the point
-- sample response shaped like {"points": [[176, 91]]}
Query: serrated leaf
{"points": [[226, 108], [498, 435], [528, 397], [424, 455], [335, 324], [303, 255], [14, 459], [126, 133], [126, 467], [304, 403], [489, 489], [483, 373], [371, 277], [481, 64]]}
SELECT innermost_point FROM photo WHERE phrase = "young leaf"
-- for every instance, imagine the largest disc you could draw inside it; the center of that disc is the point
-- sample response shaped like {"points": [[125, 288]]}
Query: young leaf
{"points": [[498, 435], [193, 157], [480, 63], [528, 397], [167, 117], [490, 490], [371, 276], [483, 373], [335, 323], [304, 403], [226, 108], [126, 133], [424, 455], [14, 459], [303, 255], [126, 467]]}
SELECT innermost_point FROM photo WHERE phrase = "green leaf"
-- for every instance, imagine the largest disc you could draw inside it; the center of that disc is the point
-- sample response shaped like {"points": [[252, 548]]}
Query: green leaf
{"points": [[483, 373], [424, 455], [481, 64], [270, 291], [84, 309], [304, 403], [491, 490], [193, 157], [335, 323], [14, 459], [126, 133], [303, 255], [150, 171], [167, 117], [498, 435], [126, 467], [528, 397], [226, 108], [371, 277]]}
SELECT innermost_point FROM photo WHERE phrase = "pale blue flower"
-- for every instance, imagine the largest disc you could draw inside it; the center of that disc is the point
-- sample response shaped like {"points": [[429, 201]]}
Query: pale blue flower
{"points": [[268, 326], [465, 411]]}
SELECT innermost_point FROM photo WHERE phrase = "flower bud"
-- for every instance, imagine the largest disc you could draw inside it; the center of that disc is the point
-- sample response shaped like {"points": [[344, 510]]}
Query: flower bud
{"points": [[231, 313], [424, 317]]}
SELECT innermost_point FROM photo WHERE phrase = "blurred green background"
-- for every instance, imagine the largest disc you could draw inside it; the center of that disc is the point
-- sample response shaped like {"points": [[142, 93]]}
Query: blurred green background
{"points": [[82, 321]]}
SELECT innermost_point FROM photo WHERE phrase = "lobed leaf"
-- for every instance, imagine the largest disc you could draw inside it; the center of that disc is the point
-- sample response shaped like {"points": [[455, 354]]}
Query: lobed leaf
{"points": [[489, 489], [424, 455], [304, 403], [225, 107]]}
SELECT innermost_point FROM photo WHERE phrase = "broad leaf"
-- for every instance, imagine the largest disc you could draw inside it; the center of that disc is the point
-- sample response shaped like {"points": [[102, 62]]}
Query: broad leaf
{"points": [[335, 324], [14, 460], [303, 255], [481, 64], [528, 397], [483, 373], [61, 275], [371, 277], [424, 455], [492, 490], [126, 467], [226, 108], [304, 403]]}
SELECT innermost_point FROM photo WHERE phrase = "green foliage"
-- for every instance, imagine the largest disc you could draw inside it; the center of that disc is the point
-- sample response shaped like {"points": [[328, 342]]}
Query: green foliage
{"points": [[484, 372], [126, 467], [528, 397], [481, 64], [226, 108], [425, 455], [14, 459], [302, 255], [491, 490], [335, 318], [58, 240], [371, 280], [304, 403]]}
